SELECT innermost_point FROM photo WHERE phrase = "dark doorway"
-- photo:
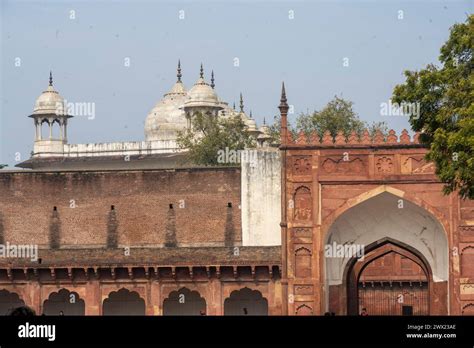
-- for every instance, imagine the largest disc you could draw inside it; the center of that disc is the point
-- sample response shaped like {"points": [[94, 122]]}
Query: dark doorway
{"points": [[407, 310], [390, 280]]}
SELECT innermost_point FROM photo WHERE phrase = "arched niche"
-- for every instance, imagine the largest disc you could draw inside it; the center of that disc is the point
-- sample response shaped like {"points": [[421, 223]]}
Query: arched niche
{"points": [[246, 302], [64, 302], [123, 302]]}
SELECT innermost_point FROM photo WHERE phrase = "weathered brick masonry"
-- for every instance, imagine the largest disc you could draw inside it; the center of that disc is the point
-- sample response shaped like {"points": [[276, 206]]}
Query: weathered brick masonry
{"points": [[151, 232]]}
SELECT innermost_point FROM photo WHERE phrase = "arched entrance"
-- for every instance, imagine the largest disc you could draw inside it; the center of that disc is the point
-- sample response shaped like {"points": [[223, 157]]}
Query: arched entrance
{"points": [[246, 302], [64, 302], [9, 301], [123, 302], [405, 253], [184, 302], [391, 279]]}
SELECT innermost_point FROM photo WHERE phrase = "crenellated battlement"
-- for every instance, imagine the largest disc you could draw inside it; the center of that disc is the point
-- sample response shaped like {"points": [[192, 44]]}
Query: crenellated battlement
{"points": [[353, 139]]}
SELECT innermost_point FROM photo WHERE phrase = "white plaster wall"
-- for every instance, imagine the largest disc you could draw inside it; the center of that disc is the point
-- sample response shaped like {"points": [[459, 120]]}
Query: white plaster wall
{"points": [[261, 200], [381, 217], [109, 149]]}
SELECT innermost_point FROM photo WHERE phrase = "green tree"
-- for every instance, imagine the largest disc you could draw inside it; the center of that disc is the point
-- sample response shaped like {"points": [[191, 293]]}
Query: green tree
{"points": [[445, 96], [209, 135], [337, 115]]}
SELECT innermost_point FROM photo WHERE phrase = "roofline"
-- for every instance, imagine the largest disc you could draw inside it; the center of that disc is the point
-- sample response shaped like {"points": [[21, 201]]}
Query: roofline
{"points": [[43, 171]]}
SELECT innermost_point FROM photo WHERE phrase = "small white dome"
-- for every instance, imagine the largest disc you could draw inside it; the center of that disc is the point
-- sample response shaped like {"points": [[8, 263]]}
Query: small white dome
{"points": [[49, 102], [264, 132], [202, 95]]}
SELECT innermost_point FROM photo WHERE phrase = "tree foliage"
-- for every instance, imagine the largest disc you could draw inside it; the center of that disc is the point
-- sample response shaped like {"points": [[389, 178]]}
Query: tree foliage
{"points": [[337, 115], [209, 134], [446, 98]]}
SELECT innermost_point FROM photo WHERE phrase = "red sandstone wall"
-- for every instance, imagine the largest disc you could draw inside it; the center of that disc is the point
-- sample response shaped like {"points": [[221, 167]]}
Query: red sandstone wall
{"points": [[141, 200]]}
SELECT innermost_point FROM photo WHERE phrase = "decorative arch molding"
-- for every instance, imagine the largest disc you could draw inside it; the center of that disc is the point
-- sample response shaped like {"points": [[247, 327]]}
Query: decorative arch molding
{"points": [[65, 301], [303, 251], [184, 302], [352, 202], [303, 310], [391, 245], [130, 303], [48, 291], [468, 309], [106, 292]]}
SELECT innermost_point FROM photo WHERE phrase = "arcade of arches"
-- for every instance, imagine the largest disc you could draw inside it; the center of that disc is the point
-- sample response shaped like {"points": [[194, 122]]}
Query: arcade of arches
{"points": [[183, 301]]}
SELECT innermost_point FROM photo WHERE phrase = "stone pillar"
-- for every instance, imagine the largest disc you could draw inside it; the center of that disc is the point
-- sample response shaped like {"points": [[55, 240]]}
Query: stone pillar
{"points": [[92, 298], [214, 301], [156, 303]]}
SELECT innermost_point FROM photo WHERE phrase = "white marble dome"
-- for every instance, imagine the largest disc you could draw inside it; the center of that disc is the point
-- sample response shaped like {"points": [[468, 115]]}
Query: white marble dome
{"points": [[49, 102], [167, 118], [201, 94]]}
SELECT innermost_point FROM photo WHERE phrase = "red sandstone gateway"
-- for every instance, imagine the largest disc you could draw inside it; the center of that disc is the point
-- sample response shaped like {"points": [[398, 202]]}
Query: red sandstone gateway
{"points": [[149, 237]]}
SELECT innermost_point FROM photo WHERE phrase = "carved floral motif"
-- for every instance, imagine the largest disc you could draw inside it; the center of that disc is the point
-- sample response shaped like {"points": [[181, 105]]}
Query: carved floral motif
{"points": [[302, 166], [384, 165]]}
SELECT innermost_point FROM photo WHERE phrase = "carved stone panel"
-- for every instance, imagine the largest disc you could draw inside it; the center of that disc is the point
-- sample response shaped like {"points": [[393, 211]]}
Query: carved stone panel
{"points": [[302, 165], [302, 261], [467, 260], [303, 204], [344, 165], [303, 289], [302, 232], [416, 164], [384, 165]]}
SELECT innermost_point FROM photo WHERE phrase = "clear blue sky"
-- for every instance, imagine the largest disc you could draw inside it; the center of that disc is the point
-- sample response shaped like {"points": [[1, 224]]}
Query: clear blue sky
{"points": [[87, 56]]}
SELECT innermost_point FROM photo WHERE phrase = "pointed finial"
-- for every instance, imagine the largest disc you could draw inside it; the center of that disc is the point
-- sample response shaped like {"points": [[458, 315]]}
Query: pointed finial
{"points": [[241, 103], [212, 79], [234, 106], [50, 78], [201, 72], [264, 123], [250, 114], [283, 93], [179, 70], [283, 112], [283, 102]]}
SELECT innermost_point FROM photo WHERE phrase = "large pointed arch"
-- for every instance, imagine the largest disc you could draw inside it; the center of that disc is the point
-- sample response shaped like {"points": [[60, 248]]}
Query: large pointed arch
{"points": [[376, 216], [352, 202], [355, 268]]}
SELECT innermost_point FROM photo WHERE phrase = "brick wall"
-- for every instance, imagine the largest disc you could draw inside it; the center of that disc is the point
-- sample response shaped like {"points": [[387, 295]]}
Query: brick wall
{"points": [[141, 213]]}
